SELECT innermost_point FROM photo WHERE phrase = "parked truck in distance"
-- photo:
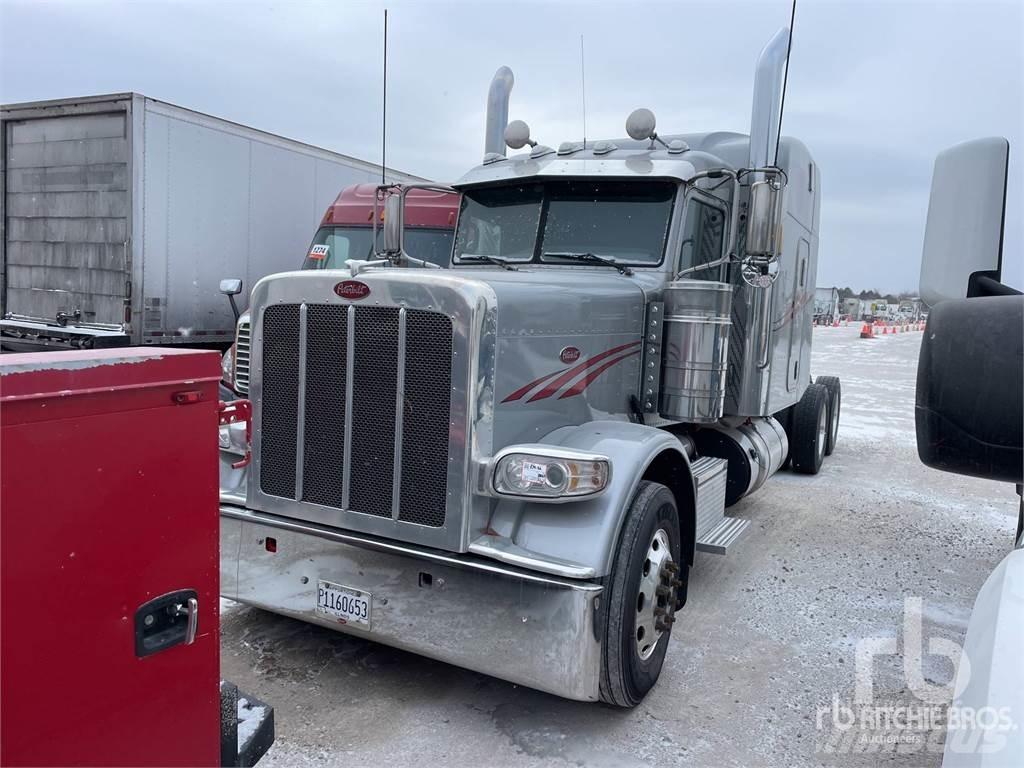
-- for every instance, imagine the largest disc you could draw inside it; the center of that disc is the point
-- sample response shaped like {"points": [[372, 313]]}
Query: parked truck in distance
{"points": [[122, 213], [827, 307], [347, 229], [509, 464]]}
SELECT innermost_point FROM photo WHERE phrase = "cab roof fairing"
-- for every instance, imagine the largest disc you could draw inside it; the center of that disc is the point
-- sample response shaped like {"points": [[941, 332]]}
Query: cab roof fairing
{"points": [[633, 159]]}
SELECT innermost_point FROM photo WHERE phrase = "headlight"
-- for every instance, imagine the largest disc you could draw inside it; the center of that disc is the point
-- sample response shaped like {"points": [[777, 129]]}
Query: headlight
{"points": [[562, 474], [227, 367]]}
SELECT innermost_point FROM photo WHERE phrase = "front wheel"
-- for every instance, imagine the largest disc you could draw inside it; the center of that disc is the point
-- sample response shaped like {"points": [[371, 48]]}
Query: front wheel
{"points": [[642, 591]]}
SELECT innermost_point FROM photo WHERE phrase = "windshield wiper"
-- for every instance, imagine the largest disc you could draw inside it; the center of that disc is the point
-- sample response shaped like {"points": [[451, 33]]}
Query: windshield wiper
{"points": [[588, 256], [484, 257]]}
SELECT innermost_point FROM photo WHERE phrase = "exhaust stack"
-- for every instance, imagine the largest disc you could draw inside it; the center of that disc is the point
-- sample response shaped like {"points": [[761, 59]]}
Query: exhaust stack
{"points": [[497, 111], [766, 113]]}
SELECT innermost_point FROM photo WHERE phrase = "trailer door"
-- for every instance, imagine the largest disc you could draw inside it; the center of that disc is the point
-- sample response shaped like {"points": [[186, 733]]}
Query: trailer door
{"points": [[66, 234]]}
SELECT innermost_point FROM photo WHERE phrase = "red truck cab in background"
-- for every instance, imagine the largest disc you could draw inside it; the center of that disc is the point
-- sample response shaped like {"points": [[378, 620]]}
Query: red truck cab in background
{"points": [[346, 231]]}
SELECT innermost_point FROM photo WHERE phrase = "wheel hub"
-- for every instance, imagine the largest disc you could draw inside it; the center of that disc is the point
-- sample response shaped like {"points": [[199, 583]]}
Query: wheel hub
{"points": [[655, 602]]}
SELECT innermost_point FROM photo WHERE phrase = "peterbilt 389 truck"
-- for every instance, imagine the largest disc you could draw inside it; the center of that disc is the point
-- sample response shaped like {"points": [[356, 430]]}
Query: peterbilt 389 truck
{"points": [[509, 464]]}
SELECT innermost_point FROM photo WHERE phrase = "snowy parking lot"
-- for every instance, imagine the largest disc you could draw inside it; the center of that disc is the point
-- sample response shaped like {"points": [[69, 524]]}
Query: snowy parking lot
{"points": [[762, 660]]}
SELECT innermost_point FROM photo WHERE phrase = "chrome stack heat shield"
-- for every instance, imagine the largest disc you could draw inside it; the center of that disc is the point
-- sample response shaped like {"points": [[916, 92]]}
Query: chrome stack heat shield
{"points": [[696, 350]]}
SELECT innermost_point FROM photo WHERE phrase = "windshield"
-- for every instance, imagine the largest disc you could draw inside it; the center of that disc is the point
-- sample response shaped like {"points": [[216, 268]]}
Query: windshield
{"points": [[332, 247], [624, 220]]}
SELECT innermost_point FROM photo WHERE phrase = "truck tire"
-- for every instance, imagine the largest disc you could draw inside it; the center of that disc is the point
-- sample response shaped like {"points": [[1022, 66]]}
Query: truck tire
{"points": [[835, 401], [785, 418], [810, 430], [640, 604]]}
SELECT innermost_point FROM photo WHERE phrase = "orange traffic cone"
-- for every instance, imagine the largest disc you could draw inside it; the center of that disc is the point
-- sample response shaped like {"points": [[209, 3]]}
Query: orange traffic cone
{"points": [[867, 332], [885, 330]]}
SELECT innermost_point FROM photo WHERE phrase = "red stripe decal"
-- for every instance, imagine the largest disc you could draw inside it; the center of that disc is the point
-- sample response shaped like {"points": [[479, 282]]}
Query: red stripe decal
{"points": [[523, 390], [585, 382], [572, 373]]}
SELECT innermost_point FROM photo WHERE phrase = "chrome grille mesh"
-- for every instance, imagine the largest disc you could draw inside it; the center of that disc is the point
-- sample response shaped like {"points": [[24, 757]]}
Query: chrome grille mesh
{"points": [[323, 458], [375, 374], [419, 457], [280, 400], [425, 420]]}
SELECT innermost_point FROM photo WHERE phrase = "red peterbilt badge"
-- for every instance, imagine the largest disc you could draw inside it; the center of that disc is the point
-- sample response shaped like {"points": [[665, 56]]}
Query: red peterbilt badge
{"points": [[352, 289], [569, 355]]}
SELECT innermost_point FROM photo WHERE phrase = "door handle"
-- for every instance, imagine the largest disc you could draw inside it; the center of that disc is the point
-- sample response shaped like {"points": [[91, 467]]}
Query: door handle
{"points": [[166, 621], [191, 611]]}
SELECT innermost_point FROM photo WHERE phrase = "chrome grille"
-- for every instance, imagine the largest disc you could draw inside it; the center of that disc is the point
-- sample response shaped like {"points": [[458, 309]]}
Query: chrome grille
{"points": [[280, 400], [373, 410], [242, 355], [324, 432], [428, 339], [377, 444]]}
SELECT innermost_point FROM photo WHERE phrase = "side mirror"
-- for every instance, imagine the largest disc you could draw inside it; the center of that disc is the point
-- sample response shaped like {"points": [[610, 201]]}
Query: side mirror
{"points": [[764, 219], [969, 410], [231, 287], [393, 215], [963, 238]]}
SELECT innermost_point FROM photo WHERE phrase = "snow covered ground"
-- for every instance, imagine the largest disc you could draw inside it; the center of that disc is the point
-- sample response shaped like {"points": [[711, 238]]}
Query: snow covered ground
{"points": [[762, 649]]}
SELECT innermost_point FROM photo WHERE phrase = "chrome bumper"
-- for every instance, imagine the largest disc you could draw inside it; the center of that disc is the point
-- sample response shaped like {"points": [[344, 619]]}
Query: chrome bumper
{"points": [[527, 628]]}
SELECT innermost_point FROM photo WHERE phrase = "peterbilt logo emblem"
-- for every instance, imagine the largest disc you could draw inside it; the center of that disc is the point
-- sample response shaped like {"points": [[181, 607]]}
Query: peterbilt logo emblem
{"points": [[569, 355], [352, 289]]}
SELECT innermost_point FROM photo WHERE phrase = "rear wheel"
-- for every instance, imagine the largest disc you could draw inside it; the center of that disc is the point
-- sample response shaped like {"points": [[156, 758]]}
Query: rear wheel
{"points": [[835, 400], [810, 430], [641, 603]]}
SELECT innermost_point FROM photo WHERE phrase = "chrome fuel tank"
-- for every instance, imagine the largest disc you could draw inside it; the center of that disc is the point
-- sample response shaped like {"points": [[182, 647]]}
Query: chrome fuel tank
{"points": [[696, 350], [754, 447]]}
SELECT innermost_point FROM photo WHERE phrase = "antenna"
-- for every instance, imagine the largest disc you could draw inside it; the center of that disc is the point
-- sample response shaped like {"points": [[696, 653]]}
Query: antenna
{"points": [[785, 80], [384, 110], [583, 91]]}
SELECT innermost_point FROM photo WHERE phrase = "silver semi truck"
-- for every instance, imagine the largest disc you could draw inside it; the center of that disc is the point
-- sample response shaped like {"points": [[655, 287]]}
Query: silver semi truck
{"points": [[509, 465], [121, 214]]}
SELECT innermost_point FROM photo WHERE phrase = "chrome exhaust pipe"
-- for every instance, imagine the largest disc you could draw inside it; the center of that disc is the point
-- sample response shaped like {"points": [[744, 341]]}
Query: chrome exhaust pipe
{"points": [[766, 113], [497, 111]]}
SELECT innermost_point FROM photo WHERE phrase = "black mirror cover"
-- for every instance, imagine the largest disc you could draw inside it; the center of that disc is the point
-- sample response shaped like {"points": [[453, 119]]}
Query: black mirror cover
{"points": [[970, 388]]}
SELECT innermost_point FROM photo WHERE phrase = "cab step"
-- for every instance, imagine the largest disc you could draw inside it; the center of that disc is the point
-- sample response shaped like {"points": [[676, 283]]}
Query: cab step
{"points": [[718, 540]]}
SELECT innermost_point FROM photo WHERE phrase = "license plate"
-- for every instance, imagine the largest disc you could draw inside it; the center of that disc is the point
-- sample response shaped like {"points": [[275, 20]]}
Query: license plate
{"points": [[343, 604]]}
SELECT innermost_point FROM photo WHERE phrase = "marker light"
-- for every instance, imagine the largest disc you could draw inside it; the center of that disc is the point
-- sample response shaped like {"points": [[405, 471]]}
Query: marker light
{"points": [[550, 477]]}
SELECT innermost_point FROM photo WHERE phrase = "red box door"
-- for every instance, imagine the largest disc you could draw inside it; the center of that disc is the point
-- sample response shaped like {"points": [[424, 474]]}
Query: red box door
{"points": [[108, 468]]}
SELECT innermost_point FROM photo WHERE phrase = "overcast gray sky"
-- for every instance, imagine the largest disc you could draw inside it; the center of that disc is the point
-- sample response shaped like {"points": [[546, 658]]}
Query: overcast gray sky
{"points": [[875, 89]]}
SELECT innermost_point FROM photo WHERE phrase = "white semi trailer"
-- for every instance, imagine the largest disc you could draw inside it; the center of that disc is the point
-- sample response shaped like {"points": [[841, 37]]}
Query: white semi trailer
{"points": [[121, 214], [509, 464]]}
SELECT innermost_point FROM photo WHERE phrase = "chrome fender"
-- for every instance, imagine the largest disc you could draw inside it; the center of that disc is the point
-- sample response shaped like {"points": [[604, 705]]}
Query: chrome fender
{"points": [[578, 539]]}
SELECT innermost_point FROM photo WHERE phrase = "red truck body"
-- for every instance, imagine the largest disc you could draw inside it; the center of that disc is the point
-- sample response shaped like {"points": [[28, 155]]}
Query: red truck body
{"points": [[346, 230], [108, 503]]}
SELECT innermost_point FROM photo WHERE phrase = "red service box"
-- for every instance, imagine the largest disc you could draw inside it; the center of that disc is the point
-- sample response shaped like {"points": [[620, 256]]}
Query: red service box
{"points": [[109, 542]]}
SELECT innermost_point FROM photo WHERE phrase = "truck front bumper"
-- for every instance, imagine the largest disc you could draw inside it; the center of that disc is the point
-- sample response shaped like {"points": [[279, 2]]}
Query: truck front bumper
{"points": [[528, 628]]}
